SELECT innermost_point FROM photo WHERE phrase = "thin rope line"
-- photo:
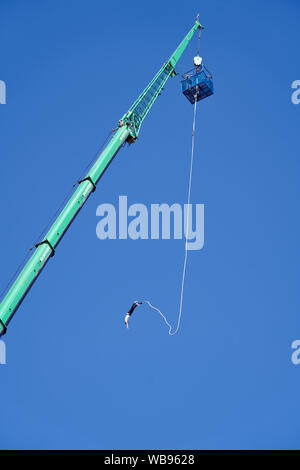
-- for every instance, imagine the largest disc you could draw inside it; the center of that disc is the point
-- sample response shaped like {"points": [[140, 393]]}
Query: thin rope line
{"points": [[45, 229], [62, 205], [199, 37], [186, 237], [154, 308], [14, 276], [188, 219]]}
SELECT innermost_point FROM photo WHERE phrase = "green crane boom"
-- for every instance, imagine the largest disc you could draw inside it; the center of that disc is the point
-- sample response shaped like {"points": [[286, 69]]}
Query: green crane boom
{"points": [[128, 130]]}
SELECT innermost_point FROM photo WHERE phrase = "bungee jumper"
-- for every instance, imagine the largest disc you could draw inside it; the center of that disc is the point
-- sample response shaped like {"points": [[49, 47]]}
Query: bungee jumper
{"points": [[135, 304]]}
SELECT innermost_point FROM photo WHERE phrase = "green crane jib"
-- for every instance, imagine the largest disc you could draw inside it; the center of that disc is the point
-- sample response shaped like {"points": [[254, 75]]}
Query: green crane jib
{"points": [[127, 131]]}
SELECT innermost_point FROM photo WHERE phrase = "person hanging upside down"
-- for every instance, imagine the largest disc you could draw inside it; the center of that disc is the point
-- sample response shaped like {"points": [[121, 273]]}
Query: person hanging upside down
{"points": [[131, 310]]}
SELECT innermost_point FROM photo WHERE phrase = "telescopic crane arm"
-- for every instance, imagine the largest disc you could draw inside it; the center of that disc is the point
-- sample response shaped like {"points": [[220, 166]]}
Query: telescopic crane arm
{"points": [[128, 130]]}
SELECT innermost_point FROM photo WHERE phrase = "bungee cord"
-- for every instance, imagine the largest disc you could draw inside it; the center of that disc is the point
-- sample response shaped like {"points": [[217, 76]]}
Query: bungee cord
{"points": [[146, 301]]}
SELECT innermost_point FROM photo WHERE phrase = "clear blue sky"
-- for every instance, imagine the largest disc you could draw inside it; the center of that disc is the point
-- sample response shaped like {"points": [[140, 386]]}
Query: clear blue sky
{"points": [[75, 378]]}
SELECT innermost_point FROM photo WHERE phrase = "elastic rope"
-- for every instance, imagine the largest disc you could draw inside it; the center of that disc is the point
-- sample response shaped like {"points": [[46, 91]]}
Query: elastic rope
{"points": [[186, 236]]}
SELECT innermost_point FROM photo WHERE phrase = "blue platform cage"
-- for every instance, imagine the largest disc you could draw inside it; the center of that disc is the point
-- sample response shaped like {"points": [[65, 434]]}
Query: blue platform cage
{"points": [[198, 81]]}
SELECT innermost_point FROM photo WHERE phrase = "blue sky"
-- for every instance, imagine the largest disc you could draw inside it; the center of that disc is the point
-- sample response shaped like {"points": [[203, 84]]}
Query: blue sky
{"points": [[75, 378]]}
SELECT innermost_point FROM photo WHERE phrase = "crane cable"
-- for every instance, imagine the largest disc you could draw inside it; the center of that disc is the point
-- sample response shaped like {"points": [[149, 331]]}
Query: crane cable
{"points": [[199, 37], [71, 190], [146, 301]]}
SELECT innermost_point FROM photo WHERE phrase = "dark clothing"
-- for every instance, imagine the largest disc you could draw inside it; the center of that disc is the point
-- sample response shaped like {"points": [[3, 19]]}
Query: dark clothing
{"points": [[133, 307]]}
